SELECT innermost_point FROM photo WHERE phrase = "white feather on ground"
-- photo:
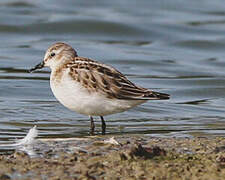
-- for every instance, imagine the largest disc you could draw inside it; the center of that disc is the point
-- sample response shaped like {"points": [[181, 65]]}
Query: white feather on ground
{"points": [[111, 141], [29, 138]]}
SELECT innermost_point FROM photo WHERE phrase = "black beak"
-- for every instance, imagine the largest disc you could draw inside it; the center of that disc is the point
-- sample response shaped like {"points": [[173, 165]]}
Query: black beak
{"points": [[38, 66]]}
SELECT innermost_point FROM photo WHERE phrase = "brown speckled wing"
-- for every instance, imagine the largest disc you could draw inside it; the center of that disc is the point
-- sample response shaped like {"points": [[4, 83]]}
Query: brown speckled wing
{"points": [[98, 77]]}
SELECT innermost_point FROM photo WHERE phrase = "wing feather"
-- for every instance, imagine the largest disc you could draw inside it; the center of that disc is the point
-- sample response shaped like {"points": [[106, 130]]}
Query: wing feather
{"points": [[96, 77]]}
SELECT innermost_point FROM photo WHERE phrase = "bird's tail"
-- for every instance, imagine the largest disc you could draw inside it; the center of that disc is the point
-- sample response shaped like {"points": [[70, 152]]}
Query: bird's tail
{"points": [[155, 95]]}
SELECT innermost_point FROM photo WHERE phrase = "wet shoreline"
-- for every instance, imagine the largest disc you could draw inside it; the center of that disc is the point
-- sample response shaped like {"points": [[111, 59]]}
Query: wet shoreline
{"points": [[134, 157]]}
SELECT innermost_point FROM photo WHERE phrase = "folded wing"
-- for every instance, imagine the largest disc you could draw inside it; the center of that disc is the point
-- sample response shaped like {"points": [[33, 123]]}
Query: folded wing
{"points": [[96, 77]]}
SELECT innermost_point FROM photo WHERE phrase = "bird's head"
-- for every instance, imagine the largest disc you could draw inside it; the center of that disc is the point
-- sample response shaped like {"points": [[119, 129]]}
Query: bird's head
{"points": [[56, 54]]}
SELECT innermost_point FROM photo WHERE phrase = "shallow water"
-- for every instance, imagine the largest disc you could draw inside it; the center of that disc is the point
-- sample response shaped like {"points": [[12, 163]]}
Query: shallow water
{"points": [[174, 47]]}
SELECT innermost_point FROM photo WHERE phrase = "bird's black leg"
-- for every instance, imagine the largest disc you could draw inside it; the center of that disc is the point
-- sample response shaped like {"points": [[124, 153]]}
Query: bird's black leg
{"points": [[103, 125], [92, 129]]}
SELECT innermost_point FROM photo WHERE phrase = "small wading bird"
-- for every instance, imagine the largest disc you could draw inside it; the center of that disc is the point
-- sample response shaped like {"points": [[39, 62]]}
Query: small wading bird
{"points": [[89, 87]]}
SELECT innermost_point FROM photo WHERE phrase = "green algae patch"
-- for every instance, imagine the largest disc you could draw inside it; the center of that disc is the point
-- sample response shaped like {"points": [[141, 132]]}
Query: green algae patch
{"points": [[133, 158]]}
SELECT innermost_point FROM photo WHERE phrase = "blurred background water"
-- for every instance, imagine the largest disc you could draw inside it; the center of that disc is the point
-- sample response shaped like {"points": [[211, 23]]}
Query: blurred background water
{"points": [[176, 47]]}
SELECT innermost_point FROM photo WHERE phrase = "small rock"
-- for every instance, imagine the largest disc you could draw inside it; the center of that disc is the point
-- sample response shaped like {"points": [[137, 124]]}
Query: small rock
{"points": [[4, 177], [219, 149], [20, 154], [145, 152], [220, 159]]}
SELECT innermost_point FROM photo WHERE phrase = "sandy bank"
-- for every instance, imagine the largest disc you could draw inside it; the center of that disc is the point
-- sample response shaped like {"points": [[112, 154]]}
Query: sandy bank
{"points": [[136, 157]]}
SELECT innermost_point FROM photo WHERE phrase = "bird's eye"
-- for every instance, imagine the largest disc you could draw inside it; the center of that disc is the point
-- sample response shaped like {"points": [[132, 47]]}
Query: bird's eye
{"points": [[52, 54]]}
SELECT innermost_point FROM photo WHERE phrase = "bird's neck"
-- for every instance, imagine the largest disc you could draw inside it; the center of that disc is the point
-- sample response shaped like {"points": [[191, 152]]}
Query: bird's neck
{"points": [[57, 73]]}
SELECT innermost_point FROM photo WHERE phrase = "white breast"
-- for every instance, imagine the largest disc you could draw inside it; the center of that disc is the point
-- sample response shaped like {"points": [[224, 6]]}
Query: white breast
{"points": [[77, 98]]}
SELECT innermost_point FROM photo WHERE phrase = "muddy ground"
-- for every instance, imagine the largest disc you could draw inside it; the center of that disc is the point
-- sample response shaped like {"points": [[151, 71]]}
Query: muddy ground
{"points": [[136, 157]]}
